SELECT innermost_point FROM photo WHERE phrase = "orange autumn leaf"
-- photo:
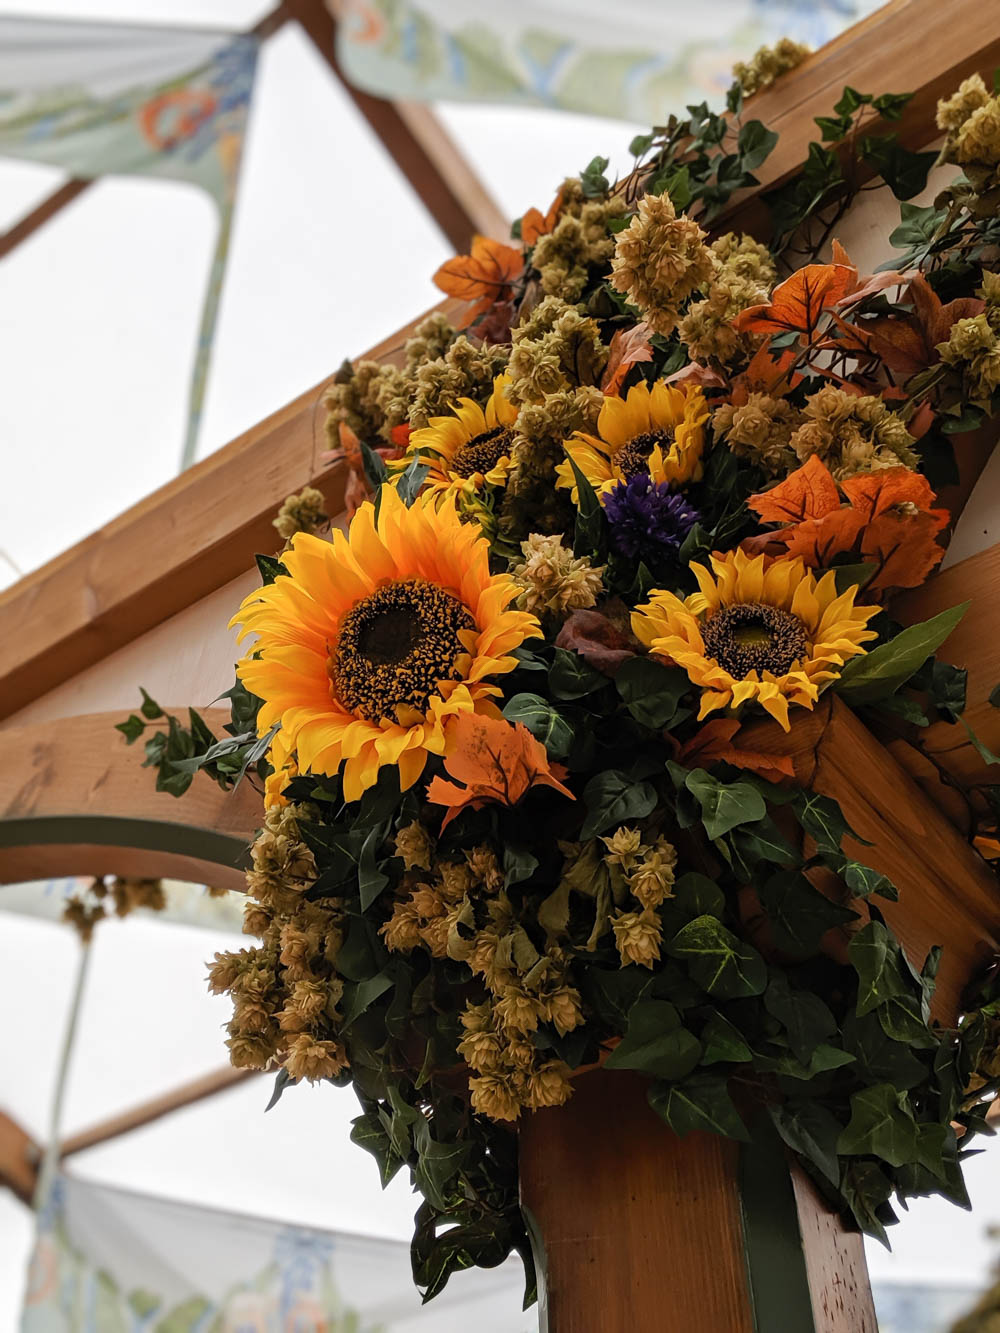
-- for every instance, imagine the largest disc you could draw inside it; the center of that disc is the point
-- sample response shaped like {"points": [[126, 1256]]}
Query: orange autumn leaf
{"points": [[808, 492], [496, 762], [715, 741], [628, 348], [888, 522], [534, 225], [483, 277], [767, 370], [797, 304]]}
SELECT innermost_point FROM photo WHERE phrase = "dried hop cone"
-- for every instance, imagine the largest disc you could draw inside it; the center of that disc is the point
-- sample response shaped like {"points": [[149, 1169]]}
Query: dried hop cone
{"points": [[660, 259]]}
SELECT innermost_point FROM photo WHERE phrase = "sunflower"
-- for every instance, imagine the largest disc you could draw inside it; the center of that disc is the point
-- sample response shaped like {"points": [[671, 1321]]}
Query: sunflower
{"points": [[282, 761], [469, 449], [372, 641], [758, 630], [659, 431]]}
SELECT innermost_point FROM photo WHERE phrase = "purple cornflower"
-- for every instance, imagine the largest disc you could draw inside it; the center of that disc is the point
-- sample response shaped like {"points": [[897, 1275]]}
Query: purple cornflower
{"points": [[647, 518]]}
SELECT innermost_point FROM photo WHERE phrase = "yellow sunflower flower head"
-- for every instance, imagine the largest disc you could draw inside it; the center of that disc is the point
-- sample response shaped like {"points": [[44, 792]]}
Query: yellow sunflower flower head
{"points": [[282, 760], [759, 630], [374, 640], [658, 430], [470, 448]]}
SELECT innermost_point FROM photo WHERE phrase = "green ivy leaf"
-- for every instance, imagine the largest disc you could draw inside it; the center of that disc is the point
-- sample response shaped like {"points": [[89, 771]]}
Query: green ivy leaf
{"points": [[799, 914], [724, 805], [650, 691], [867, 1190], [880, 1059], [703, 1102], [697, 895], [656, 1043], [132, 728], [518, 864], [611, 799], [756, 143], [570, 677], [269, 567], [875, 956], [723, 1042], [359, 996], [863, 881], [822, 819], [150, 708], [369, 1134], [877, 674], [593, 179], [720, 963], [806, 1019], [544, 722], [881, 1125], [813, 1131]]}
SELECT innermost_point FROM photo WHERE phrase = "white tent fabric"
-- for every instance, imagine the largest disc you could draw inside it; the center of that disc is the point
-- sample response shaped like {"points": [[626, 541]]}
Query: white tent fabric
{"points": [[111, 1261], [639, 61]]}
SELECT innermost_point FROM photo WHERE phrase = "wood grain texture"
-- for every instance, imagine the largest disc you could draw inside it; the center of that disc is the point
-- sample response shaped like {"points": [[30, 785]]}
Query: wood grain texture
{"points": [[835, 1265], [180, 543], [948, 894], [79, 772], [973, 644], [642, 1230], [922, 47], [19, 1158]]}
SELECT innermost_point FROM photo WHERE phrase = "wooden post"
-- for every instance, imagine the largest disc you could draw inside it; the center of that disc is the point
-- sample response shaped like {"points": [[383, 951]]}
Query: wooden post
{"points": [[666, 1235]]}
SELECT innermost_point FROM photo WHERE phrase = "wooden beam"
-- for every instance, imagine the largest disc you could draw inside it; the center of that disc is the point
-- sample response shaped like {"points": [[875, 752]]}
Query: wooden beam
{"points": [[921, 47], [418, 143], [183, 541], [188, 1094], [75, 799], [973, 644], [19, 1158], [38, 216], [948, 894]]}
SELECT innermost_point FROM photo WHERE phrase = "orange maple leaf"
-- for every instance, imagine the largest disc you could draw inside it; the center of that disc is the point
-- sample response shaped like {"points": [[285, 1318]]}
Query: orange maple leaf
{"points": [[628, 348], [888, 521], [484, 277], [797, 304], [715, 741], [808, 492], [496, 761], [534, 225]]}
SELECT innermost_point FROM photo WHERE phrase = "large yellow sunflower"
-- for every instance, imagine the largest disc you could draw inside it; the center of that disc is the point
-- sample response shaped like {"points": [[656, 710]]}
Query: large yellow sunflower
{"points": [[761, 630], [660, 431], [374, 640], [469, 449]]}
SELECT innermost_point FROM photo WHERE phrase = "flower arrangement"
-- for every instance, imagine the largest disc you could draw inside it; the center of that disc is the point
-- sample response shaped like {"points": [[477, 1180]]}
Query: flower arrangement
{"points": [[656, 492]]}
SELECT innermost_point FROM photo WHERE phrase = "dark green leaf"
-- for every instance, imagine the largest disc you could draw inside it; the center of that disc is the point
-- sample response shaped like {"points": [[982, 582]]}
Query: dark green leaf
{"points": [[806, 1019], [812, 1131], [651, 691], [755, 144], [593, 179], [881, 1125], [656, 1043], [724, 804], [863, 881], [720, 963], [269, 567], [375, 470], [822, 819], [722, 1042], [697, 895], [799, 914], [879, 1058], [874, 675], [874, 954], [371, 880], [571, 678], [589, 514], [132, 728], [359, 995], [518, 864], [702, 1101], [544, 722], [281, 1082], [410, 483], [611, 799], [150, 708]]}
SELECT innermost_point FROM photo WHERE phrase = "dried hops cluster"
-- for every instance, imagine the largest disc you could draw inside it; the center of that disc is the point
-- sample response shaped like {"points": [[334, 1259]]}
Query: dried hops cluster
{"points": [[852, 433], [285, 991], [660, 260], [552, 580]]}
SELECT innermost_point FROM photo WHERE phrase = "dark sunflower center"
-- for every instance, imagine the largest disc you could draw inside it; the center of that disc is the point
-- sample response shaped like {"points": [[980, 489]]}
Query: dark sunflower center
{"points": [[396, 646], [753, 637], [482, 452], [631, 458]]}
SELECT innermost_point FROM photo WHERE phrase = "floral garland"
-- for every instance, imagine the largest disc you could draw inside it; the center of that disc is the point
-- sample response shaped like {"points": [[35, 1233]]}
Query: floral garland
{"points": [[515, 823]]}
